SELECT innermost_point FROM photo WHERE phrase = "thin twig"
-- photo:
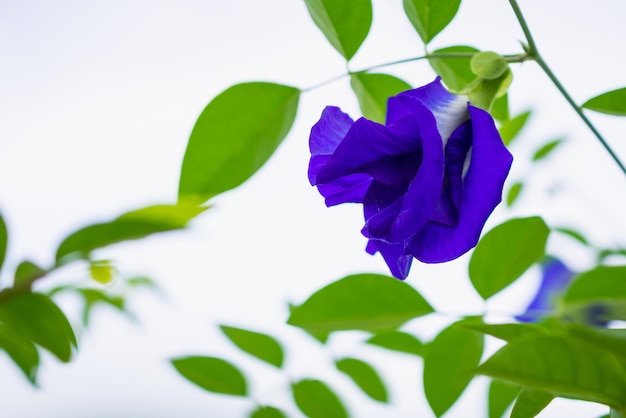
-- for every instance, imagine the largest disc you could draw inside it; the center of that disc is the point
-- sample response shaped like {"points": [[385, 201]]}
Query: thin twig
{"points": [[533, 53]]}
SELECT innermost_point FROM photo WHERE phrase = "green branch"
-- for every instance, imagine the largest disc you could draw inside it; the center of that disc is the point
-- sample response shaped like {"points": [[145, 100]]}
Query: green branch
{"points": [[533, 53], [514, 58]]}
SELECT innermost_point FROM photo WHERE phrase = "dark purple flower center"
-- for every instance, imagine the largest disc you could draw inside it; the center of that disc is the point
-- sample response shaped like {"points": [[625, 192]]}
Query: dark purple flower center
{"points": [[392, 176], [457, 152], [395, 171]]}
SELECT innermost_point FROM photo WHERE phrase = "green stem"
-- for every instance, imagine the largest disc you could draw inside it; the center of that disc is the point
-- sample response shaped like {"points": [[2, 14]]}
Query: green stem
{"points": [[323, 83], [618, 413], [437, 55], [26, 285], [533, 53], [431, 56]]}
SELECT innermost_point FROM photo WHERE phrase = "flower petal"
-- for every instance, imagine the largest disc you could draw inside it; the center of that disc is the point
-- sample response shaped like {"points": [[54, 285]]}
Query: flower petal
{"points": [[456, 154], [555, 276], [348, 189], [424, 191], [378, 221], [394, 171], [449, 110], [325, 136], [380, 207], [395, 223], [366, 142], [482, 191], [398, 261]]}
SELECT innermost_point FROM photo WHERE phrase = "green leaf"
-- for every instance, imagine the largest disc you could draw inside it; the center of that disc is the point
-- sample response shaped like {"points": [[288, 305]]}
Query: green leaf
{"points": [[234, 136], [35, 317], [449, 366], [368, 302], [267, 412], [530, 402], [141, 281], [259, 345], [501, 396], [511, 129], [102, 271], [488, 65], [572, 234], [514, 192], [455, 72], [612, 103], [93, 297], [613, 340], [603, 283], [4, 237], [429, 17], [345, 24], [173, 216], [129, 226], [22, 351], [60, 289], [365, 377], [321, 337], [212, 374], [27, 271], [506, 332], [617, 414], [505, 252], [373, 91], [316, 400], [604, 253], [484, 92], [398, 341], [547, 149], [562, 365], [500, 109]]}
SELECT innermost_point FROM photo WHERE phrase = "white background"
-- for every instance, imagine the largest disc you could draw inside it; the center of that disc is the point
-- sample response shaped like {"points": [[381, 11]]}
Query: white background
{"points": [[97, 100]]}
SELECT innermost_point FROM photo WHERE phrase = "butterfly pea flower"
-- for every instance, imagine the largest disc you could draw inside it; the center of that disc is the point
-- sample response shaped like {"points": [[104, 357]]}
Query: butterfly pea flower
{"points": [[428, 178], [555, 278]]}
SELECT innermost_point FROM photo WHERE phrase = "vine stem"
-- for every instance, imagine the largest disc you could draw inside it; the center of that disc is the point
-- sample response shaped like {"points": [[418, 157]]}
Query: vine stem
{"points": [[532, 53], [436, 55]]}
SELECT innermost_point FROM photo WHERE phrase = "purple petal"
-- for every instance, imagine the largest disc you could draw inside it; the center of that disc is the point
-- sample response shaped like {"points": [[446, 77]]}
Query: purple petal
{"points": [[370, 248], [424, 191], [366, 142], [597, 315], [482, 191], [348, 189], [449, 110], [378, 221], [555, 277], [457, 149], [394, 171], [398, 261], [380, 207], [394, 223], [445, 212], [325, 136]]}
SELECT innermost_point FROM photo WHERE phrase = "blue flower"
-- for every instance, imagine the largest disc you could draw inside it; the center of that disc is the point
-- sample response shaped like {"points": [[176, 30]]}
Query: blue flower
{"points": [[428, 178], [555, 278]]}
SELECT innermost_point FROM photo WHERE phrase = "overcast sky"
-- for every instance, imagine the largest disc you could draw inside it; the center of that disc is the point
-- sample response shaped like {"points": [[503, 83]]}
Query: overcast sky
{"points": [[97, 100]]}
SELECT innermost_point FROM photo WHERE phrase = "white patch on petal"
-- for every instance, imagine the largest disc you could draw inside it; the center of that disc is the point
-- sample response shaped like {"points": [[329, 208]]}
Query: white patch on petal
{"points": [[466, 163], [451, 115]]}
